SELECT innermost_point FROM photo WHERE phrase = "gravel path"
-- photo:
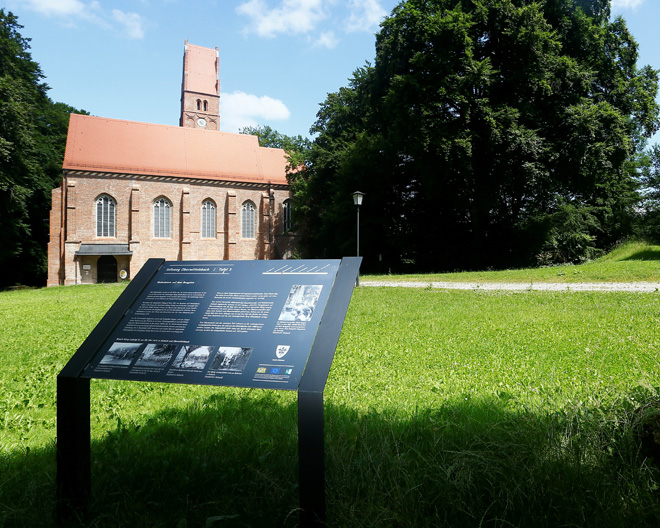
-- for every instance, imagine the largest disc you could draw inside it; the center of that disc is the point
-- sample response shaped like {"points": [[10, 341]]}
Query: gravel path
{"points": [[638, 287]]}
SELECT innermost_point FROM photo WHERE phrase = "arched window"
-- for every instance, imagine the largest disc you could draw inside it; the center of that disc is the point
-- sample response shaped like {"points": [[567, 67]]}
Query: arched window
{"points": [[162, 213], [206, 106], [287, 223], [247, 220], [105, 216], [208, 219], [199, 104]]}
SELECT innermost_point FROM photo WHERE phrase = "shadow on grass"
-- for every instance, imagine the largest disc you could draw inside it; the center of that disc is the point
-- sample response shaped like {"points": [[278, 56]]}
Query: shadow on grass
{"points": [[646, 254], [232, 461]]}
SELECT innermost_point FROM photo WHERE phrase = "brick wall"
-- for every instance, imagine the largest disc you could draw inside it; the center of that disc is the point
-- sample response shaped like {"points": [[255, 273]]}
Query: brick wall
{"points": [[190, 114], [55, 245], [134, 198]]}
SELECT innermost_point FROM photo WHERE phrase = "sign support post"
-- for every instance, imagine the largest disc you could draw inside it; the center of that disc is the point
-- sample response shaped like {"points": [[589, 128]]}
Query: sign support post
{"points": [[73, 447], [311, 459], [311, 448], [74, 477]]}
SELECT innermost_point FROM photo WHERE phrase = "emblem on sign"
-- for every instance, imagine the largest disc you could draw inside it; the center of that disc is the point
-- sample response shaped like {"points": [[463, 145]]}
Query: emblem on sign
{"points": [[281, 351]]}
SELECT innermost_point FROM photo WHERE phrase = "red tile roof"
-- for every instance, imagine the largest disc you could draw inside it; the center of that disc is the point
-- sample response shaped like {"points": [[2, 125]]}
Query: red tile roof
{"points": [[112, 145]]}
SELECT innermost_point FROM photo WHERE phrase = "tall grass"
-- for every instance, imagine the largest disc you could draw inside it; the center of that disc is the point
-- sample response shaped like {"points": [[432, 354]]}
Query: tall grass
{"points": [[443, 408]]}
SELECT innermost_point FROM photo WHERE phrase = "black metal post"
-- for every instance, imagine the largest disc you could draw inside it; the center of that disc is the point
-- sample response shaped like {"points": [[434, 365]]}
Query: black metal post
{"points": [[73, 481], [357, 280], [311, 447], [74, 476], [311, 459]]}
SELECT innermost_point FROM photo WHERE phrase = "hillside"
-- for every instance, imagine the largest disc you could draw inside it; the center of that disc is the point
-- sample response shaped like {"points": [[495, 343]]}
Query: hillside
{"points": [[634, 261]]}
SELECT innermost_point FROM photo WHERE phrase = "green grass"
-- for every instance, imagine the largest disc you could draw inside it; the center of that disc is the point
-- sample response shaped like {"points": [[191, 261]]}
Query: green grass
{"points": [[443, 408], [630, 262]]}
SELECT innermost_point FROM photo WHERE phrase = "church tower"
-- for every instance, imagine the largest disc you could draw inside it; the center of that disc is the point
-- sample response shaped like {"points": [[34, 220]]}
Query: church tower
{"points": [[200, 88]]}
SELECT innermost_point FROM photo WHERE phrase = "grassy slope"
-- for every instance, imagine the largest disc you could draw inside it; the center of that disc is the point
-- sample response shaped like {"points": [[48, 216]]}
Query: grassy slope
{"points": [[442, 408], [630, 262]]}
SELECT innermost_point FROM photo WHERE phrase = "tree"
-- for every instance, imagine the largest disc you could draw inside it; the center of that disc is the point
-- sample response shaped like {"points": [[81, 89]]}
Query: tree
{"points": [[32, 139], [296, 147], [649, 221], [479, 121]]}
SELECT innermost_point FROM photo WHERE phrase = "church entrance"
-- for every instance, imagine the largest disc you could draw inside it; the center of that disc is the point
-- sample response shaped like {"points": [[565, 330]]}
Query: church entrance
{"points": [[106, 269]]}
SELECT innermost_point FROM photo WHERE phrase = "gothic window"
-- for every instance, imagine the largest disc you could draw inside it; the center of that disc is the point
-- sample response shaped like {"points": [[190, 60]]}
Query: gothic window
{"points": [[208, 219], [287, 224], [105, 216], [247, 220], [162, 214]]}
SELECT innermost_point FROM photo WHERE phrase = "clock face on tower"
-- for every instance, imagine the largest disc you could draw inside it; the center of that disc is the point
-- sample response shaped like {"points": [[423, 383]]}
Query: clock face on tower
{"points": [[201, 122]]}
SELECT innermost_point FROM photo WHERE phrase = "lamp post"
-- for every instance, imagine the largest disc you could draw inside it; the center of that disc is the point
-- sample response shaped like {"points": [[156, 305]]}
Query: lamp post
{"points": [[357, 200]]}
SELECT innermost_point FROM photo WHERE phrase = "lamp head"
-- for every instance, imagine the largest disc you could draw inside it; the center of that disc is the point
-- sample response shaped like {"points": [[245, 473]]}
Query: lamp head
{"points": [[357, 198]]}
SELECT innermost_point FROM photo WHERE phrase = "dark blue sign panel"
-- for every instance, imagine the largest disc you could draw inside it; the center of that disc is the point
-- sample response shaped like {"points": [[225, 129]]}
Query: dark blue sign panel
{"points": [[236, 323]]}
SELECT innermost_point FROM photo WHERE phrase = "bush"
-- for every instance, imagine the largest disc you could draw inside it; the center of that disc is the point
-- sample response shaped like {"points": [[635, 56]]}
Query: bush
{"points": [[569, 236]]}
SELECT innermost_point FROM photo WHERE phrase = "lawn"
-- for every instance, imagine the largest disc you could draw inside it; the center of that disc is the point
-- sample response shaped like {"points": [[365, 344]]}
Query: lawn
{"points": [[443, 408]]}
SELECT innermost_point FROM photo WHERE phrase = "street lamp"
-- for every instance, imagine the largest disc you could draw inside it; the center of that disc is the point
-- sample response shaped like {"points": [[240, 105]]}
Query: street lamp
{"points": [[357, 200]]}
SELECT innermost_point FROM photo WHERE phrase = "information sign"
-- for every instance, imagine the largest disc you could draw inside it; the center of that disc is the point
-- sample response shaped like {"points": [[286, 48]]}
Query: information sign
{"points": [[235, 323], [266, 324]]}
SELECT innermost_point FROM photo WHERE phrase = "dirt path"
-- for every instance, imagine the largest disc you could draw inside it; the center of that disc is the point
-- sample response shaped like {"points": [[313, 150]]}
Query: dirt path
{"points": [[638, 287]]}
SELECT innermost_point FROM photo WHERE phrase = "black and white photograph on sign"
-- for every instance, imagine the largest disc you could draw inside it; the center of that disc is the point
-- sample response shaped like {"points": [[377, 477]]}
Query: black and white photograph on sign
{"points": [[281, 350], [121, 354], [300, 303], [193, 357], [233, 359], [156, 355]]}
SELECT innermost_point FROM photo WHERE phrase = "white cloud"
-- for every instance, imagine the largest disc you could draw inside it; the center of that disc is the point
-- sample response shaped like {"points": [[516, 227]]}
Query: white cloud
{"points": [[304, 17], [326, 39], [626, 4], [131, 22], [365, 15], [58, 7], [238, 110], [71, 11], [292, 17]]}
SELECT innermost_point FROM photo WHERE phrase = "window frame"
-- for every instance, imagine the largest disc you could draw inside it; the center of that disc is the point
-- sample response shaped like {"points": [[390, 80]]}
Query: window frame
{"points": [[287, 210], [162, 211], [108, 216], [208, 211], [248, 219]]}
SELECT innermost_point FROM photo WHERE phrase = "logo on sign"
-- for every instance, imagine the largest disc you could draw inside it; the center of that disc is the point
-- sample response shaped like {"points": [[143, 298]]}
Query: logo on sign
{"points": [[281, 351]]}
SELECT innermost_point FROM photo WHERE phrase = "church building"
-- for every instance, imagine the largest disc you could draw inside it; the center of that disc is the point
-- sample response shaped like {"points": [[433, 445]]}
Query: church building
{"points": [[133, 191]]}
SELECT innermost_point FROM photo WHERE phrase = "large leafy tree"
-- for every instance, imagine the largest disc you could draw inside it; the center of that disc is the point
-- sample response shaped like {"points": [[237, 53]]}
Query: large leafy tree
{"points": [[480, 127], [296, 147], [649, 217], [32, 139]]}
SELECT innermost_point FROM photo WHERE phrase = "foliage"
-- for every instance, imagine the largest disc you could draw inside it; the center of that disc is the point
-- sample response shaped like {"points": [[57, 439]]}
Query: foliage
{"points": [[296, 147], [32, 139], [441, 409], [569, 239], [649, 221], [631, 261], [478, 123]]}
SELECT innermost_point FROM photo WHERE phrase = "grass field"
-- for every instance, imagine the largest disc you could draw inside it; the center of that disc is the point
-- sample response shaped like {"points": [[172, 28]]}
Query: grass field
{"points": [[443, 408]]}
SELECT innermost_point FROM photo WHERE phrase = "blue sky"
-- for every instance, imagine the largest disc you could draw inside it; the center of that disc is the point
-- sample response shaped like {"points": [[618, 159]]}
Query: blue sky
{"points": [[278, 58]]}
